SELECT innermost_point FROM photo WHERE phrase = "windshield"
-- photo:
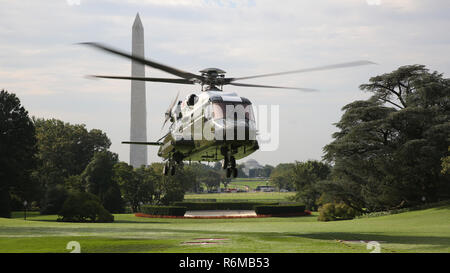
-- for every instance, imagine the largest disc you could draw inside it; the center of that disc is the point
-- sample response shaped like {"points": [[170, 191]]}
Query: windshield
{"points": [[220, 108]]}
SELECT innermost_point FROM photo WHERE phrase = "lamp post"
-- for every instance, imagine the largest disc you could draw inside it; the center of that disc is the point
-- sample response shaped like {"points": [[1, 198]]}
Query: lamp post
{"points": [[25, 205]]}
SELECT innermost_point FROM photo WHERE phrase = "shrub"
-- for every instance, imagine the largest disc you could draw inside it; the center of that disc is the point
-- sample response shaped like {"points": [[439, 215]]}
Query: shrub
{"points": [[54, 199], [84, 207], [326, 212], [164, 210], [339, 211], [221, 205], [279, 209]]}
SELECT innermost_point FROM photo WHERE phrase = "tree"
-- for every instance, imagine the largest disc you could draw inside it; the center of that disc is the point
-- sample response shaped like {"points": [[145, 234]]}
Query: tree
{"points": [[17, 149], [305, 176], [63, 152], [266, 171], [281, 176], [446, 164], [65, 149], [98, 180], [169, 189], [388, 151], [136, 185]]}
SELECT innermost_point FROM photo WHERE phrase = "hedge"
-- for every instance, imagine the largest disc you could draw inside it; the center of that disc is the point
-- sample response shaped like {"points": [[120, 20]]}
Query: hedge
{"points": [[279, 209], [164, 210], [221, 205]]}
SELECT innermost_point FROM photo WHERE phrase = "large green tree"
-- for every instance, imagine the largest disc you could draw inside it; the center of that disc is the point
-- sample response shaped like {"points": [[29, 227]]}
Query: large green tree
{"points": [[389, 148], [17, 149], [63, 152]]}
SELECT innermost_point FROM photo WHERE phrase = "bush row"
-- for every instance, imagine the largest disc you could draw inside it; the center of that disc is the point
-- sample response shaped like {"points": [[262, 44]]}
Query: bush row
{"points": [[221, 205], [279, 209], [164, 210]]}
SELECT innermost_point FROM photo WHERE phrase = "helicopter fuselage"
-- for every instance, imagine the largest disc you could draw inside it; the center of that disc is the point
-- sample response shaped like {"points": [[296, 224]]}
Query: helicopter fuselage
{"points": [[210, 126]]}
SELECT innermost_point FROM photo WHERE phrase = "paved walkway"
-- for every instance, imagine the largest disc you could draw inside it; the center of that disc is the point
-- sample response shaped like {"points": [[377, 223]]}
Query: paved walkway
{"points": [[206, 213]]}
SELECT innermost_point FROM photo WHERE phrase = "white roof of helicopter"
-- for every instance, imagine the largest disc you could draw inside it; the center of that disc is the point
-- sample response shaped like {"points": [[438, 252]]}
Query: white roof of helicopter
{"points": [[226, 96]]}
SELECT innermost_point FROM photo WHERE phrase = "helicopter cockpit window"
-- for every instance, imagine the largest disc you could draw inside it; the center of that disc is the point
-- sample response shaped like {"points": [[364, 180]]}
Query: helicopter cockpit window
{"points": [[192, 100], [220, 108]]}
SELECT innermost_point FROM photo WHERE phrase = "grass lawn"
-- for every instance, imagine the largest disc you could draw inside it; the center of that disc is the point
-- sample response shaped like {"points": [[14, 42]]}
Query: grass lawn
{"points": [[417, 231], [251, 183]]}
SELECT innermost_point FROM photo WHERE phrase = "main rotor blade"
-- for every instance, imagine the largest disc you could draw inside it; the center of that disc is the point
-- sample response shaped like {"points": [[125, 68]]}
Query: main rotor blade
{"points": [[180, 81], [319, 68], [270, 86], [165, 68]]}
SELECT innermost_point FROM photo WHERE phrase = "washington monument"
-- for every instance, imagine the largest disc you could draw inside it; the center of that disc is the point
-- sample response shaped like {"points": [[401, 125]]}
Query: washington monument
{"points": [[138, 124]]}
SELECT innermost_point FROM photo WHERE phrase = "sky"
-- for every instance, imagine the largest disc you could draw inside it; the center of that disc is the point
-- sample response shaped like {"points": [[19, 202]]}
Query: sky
{"points": [[41, 61]]}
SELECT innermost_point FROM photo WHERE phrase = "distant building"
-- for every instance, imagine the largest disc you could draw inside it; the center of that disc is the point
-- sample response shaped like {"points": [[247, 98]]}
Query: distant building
{"points": [[250, 167]]}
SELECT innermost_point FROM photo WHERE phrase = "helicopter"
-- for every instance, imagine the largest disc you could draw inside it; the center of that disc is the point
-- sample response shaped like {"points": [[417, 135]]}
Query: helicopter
{"points": [[212, 125]]}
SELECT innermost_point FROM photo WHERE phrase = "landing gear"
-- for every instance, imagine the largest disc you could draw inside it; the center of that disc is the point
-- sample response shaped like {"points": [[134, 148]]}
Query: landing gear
{"points": [[232, 172], [228, 172], [225, 163], [166, 169], [235, 172], [171, 167], [229, 163]]}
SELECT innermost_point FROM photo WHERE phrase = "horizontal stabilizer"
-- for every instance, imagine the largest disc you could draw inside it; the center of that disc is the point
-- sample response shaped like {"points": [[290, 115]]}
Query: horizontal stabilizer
{"points": [[143, 143]]}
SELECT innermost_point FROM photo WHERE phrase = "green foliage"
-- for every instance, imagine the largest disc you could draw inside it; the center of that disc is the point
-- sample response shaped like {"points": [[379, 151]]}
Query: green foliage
{"points": [[54, 199], [136, 186], [5, 204], [164, 210], [281, 176], [17, 149], [305, 176], [168, 189], [266, 171], [333, 212], [65, 149], [279, 209], [112, 200], [63, 152], [207, 176], [222, 205], [386, 158], [84, 207], [98, 180]]}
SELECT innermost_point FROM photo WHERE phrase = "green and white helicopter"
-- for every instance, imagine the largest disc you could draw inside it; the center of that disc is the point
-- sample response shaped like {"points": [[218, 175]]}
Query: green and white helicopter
{"points": [[211, 125]]}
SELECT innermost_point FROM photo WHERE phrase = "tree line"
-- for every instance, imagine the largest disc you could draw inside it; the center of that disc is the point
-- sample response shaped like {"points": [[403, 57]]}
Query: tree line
{"points": [[47, 161], [390, 151]]}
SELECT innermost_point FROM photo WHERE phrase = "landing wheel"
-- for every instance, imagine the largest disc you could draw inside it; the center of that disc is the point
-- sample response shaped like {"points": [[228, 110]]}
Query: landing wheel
{"points": [[235, 172], [229, 172], [166, 169], [233, 162], [225, 163]]}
